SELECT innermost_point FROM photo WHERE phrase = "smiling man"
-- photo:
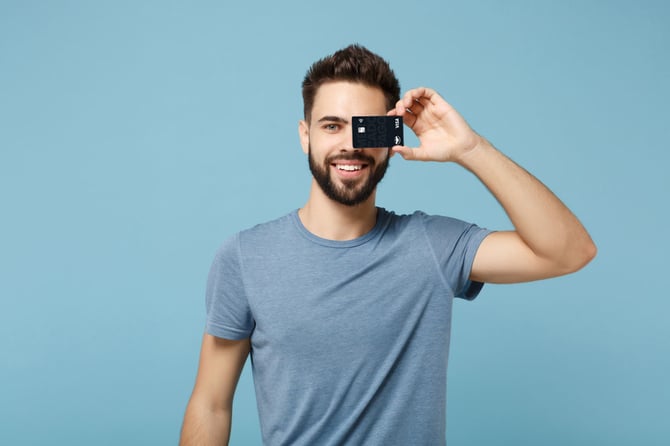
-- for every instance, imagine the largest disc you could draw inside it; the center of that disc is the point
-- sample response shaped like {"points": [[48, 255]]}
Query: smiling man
{"points": [[344, 306]]}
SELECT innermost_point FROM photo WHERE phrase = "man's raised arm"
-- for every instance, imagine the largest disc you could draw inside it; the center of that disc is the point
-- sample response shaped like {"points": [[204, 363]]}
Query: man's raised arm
{"points": [[547, 241]]}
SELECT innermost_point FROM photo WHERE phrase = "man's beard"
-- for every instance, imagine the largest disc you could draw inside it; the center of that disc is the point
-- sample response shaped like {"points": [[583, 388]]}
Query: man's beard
{"points": [[350, 192]]}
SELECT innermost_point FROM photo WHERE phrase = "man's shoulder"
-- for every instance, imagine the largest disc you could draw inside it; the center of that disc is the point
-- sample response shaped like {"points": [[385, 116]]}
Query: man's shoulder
{"points": [[437, 228], [268, 230], [270, 227], [269, 233], [419, 217]]}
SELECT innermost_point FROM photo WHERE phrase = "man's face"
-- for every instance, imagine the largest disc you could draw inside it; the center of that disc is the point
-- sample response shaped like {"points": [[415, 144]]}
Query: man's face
{"points": [[346, 175]]}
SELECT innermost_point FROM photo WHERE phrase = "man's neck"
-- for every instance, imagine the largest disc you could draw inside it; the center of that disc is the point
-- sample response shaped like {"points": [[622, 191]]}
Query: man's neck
{"points": [[331, 220]]}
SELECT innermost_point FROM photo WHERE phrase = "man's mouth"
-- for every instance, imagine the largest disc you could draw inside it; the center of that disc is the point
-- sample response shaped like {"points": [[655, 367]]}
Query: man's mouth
{"points": [[352, 164], [349, 167]]}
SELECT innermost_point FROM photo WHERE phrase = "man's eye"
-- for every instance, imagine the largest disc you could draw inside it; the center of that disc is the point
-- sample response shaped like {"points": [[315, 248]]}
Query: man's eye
{"points": [[331, 127]]}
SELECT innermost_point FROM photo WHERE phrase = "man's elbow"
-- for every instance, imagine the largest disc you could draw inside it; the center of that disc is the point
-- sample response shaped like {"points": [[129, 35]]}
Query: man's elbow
{"points": [[580, 256]]}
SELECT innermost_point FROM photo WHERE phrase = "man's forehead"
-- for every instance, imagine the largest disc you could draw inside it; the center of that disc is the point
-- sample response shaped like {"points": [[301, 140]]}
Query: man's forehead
{"points": [[344, 99]]}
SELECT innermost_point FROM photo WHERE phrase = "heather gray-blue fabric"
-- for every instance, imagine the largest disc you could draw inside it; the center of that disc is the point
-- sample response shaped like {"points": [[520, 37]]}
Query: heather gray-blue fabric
{"points": [[349, 339]]}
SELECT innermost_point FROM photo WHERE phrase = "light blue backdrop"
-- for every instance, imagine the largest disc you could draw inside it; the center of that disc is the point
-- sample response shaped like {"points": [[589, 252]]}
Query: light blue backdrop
{"points": [[136, 135]]}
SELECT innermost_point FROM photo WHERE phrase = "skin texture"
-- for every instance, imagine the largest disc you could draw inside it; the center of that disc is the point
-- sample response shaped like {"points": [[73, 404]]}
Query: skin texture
{"points": [[547, 240]]}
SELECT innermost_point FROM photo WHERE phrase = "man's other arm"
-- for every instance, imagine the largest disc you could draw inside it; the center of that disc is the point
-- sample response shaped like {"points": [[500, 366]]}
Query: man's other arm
{"points": [[209, 412]]}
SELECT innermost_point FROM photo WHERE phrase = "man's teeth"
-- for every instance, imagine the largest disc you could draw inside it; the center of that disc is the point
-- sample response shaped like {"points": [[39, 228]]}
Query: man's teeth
{"points": [[349, 167]]}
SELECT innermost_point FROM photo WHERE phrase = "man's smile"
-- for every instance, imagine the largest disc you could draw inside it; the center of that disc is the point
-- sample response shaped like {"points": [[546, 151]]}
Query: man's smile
{"points": [[349, 169], [352, 165]]}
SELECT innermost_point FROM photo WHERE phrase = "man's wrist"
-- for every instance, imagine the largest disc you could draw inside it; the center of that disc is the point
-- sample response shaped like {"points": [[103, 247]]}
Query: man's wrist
{"points": [[469, 158]]}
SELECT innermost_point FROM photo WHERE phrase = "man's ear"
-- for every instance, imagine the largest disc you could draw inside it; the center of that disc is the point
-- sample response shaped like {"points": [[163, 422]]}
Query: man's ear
{"points": [[303, 132]]}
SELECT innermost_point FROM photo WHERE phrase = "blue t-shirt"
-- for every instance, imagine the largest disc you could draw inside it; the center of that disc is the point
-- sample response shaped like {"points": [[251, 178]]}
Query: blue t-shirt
{"points": [[349, 339]]}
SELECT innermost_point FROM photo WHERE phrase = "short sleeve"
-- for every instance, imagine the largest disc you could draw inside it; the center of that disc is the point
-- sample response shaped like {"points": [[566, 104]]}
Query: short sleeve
{"points": [[228, 313], [455, 243]]}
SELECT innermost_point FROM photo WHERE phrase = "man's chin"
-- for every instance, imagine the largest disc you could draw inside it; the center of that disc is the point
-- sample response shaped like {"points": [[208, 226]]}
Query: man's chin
{"points": [[350, 197]]}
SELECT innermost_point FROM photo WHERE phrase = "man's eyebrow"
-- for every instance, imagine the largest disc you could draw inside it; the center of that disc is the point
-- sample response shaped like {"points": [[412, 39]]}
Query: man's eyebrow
{"points": [[333, 119]]}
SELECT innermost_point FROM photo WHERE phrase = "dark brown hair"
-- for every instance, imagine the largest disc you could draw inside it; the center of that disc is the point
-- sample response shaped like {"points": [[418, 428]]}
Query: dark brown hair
{"points": [[354, 63]]}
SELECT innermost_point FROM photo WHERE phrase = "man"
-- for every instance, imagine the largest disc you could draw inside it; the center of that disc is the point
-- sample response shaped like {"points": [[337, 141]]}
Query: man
{"points": [[346, 307]]}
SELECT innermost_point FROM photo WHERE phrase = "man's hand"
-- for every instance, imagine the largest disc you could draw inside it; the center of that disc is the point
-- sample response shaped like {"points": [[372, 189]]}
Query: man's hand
{"points": [[443, 134]]}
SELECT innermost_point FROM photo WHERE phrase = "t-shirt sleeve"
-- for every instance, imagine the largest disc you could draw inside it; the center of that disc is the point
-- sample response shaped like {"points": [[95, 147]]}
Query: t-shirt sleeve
{"points": [[455, 244], [228, 312]]}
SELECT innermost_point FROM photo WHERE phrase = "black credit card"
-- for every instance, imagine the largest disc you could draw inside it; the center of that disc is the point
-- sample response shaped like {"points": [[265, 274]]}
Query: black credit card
{"points": [[377, 131]]}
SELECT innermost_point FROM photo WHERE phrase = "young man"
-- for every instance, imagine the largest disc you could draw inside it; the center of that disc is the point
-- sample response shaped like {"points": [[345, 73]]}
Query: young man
{"points": [[346, 307]]}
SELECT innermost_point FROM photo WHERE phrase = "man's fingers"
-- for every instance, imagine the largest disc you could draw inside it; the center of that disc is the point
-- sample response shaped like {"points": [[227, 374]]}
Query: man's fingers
{"points": [[411, 153], [404, 151], [422, 93], [416, 107], [409, 119]]}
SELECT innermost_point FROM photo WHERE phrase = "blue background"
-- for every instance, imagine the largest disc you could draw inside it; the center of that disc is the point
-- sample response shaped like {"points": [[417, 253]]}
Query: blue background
{"points": [[135, 136]]}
